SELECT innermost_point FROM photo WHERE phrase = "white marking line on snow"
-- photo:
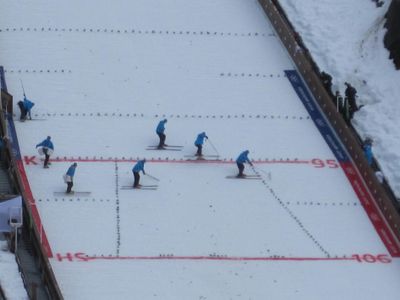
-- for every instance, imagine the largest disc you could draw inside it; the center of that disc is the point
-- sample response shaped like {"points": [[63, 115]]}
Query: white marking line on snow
{"points": [[182, 32], [171, 116], [117, 207]]}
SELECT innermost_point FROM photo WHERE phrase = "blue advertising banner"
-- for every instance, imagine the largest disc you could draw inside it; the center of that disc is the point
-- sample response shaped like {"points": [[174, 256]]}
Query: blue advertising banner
{"points": [[317, 116]]}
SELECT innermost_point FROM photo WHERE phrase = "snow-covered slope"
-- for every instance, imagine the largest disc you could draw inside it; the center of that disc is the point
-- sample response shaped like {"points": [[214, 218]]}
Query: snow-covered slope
{"points": [[102, 76]]}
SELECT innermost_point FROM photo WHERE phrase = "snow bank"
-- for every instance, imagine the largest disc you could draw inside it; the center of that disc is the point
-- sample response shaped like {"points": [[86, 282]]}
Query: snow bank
{"points": [[10, 279]]}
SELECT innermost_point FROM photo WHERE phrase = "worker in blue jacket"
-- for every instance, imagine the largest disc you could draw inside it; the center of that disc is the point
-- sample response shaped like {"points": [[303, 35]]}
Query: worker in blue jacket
{"points": [[139, 166], [243, 158], [199, 143], [46, 148], [69, 177], [28, 106], [160, 132], [25, 107]]}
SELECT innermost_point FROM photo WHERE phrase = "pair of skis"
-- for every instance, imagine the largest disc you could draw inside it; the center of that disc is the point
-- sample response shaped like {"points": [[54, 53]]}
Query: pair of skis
{"points": [[141, 187], [166, 147], [254, 177], [179, 148], [22, 121], [202, 157], [73, 194]]}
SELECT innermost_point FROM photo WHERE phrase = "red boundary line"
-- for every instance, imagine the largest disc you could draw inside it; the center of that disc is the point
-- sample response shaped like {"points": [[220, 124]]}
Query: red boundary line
{"points": [[31, 160], [82, 257], [220, 258], [35, 213]]}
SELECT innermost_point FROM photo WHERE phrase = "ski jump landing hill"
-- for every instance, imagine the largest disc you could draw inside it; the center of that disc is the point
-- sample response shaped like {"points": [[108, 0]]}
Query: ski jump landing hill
{"points": [[309, 227]]}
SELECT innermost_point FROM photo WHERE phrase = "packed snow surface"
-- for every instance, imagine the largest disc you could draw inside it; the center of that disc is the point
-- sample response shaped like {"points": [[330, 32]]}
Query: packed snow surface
{"points": [[102, 76]]}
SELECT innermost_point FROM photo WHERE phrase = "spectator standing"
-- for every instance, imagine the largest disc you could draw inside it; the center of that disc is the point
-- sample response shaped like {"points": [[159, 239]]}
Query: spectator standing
{"points": [[351, 94]]}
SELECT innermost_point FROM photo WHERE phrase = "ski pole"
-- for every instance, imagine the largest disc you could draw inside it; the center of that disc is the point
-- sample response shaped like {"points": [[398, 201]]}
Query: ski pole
{"points": [[152, 177], [22, 87], [215, 149]]}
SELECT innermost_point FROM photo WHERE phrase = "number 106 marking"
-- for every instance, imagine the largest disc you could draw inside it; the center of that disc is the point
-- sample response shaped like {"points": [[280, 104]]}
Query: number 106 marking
{"points": [[369, 258]]}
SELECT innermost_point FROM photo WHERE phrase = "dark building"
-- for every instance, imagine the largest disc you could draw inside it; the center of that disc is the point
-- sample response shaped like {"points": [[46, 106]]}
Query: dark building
{"points": [[392, 36]]}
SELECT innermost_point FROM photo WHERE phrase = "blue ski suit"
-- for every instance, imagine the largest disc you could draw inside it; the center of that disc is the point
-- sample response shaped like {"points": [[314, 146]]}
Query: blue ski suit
{"points": [[70, 177], [71, 170], [161, 126], [46, 144], [28, 104], [139, 166], [200, 139], [243, 157], [136, 169]]}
